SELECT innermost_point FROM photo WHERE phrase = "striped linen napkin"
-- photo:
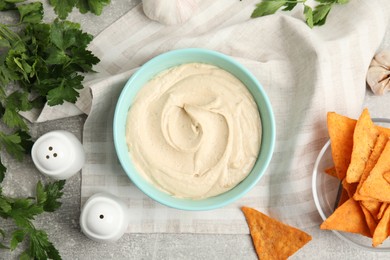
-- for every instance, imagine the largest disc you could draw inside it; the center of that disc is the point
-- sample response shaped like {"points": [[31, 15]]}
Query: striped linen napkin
{"points": [[306, 72]]}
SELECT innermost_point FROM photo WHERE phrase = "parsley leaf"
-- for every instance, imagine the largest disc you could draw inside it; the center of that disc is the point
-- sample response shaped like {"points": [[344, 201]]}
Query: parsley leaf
{"points": [[268, 7], [23, 211], [31, 13], [64, 92], [64, 7], [313, 17], [320, 13], [53, 192], [26, 141], [289, 6], [308, 12], [93, 6], [12, 144], [6, 5], [3, 170], [48, 195], [40, 247], [17, 237]]}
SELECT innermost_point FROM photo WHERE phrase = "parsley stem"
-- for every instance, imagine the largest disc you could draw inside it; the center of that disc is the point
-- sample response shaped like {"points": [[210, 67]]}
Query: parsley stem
{"points": [[8, 34]]}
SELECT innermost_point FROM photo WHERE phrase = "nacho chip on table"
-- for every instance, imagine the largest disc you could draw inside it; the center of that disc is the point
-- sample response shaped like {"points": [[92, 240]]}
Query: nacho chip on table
{"points": [[273, 239], [341, 129], [349, 217], [364, 139], [376, 186]]}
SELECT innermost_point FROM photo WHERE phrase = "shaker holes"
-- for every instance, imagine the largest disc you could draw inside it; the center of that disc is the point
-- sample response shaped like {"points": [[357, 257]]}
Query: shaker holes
{"points": [[50, 148]]}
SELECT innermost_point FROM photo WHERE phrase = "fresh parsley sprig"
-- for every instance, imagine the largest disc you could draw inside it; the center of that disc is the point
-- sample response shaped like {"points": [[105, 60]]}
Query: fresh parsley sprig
{"points": [[39, 63], [45, 60], [23, 211], [313, 17]]}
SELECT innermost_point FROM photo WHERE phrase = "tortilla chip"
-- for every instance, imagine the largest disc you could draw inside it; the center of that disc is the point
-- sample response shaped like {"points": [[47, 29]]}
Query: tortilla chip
{"points": [[349, 217], [341, 129], [375, 186], [273, 239], [373, 206], [331, 171], [343, 197], [364, 138], [382, 231], [370, 220], [349, 187], [382, 210], [384, 130], [372, 160]]}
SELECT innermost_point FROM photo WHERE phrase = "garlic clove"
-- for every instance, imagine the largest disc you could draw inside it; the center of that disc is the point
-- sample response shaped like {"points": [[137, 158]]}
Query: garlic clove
{"points": [[375, 63], [376, 74], [170, 12], [381, 87], [383, 58]]}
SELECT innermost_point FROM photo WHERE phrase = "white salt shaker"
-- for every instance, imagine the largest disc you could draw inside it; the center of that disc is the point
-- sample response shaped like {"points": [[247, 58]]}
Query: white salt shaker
{"points": [[104, 218], [58, 154]]}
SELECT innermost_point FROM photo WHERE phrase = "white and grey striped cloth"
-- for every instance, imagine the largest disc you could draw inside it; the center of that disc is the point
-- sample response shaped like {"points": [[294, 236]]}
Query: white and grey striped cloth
{"points": [[306, 72]]}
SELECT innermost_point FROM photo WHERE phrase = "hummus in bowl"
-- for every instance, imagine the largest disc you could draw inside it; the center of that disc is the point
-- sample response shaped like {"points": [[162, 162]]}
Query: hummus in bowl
{"points": [[193, 129]]}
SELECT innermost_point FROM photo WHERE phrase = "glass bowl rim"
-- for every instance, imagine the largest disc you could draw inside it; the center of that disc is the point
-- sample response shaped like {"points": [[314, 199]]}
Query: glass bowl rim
{"points": [[317, 202]]}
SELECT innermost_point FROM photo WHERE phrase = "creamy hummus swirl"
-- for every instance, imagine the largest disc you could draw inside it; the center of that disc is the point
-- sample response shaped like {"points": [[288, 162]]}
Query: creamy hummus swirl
{"points": [[194, 131]]}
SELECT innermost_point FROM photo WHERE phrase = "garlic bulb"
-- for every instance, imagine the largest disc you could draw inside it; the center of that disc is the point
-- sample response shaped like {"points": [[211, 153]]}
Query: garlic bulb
{"points": [[170, 11], [378, 75]]}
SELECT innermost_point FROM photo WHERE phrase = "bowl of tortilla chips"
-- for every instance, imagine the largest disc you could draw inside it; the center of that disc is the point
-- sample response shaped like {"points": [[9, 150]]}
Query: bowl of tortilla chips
{"points": [[351, 181]]}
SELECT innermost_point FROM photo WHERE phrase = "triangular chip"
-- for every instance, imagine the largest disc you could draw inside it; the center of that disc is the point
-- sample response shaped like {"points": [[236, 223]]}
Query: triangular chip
{"points": [[373, 206], [375, 186], [331, 171], [372, 160], [349, 217], [349, 187], [273, 239], [382, 210], [382, 231], [364, 139], [340, 129], [370, 220], [343, 197], [384, 130]]}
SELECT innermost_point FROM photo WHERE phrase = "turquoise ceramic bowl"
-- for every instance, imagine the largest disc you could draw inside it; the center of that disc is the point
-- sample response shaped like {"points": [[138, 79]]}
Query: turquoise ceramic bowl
{"points": [[171, 59]]}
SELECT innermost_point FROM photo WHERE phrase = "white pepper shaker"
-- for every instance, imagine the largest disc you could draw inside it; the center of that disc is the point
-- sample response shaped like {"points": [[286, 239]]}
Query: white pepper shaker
{"points": [[58, 154], [104, 218]]}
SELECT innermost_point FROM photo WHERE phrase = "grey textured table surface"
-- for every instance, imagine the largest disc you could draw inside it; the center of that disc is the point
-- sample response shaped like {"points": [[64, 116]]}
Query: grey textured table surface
{"points": [[63, 226]]}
